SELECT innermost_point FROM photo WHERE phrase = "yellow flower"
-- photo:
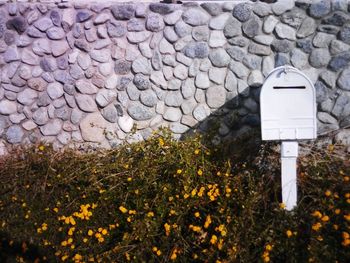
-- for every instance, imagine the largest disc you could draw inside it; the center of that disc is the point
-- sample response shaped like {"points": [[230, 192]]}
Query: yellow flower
{"points": [[104, 232], [289, 233], [200, 172], [123, 209], [41, 147], [167, 228], [179, 171], [77, 257], [85, 240], [316, 226], [268, 247], [325, 218], [197, 214], [186, 196], [317, 214], [328, 193], [337, 211], [150, 214], [213, 239], [196, 151], [63, 258], [347, 217], [207, 221], [55, 209], [64, 243], [90, 232], [154, 249], [282, 205], [161, 142], [159, 253], [70, 240]]}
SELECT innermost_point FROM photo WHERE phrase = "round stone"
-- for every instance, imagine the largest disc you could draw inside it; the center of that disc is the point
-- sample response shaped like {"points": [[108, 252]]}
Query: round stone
{"points": [[140, 112], [320, 8], [93, 127], [195, 17], [216, 96], [242, 12], [201, 112], [55, 90], [344, 80], [7, 107], [196, 50], [14, 134], [154, 22], [219, 57], [141, 82], [319, 57]]}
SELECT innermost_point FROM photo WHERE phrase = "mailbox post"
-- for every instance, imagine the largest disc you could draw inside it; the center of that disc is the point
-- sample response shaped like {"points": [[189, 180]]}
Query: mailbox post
{"points": [[288, 114]]}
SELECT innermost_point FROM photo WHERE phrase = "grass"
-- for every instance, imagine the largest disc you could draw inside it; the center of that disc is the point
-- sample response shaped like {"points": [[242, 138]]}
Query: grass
{"points": [[165, 200]]}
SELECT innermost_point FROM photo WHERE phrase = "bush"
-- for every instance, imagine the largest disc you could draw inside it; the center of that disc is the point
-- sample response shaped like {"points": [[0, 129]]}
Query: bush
{"points": [[165, 200]]}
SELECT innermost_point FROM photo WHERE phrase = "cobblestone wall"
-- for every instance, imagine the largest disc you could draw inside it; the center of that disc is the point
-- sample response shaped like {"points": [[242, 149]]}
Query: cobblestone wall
{"points": [[92, 72]]}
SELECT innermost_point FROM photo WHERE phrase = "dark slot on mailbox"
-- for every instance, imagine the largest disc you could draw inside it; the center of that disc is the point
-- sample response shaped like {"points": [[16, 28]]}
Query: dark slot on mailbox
{"points": [[290, 87]]}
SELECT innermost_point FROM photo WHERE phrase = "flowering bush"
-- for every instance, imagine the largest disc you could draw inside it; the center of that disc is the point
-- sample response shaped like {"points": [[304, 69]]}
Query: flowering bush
{"points": [[165, 200]]}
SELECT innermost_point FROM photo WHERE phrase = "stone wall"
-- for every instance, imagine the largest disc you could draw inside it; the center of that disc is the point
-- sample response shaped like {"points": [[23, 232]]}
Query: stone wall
{"points": [[91, 72]]}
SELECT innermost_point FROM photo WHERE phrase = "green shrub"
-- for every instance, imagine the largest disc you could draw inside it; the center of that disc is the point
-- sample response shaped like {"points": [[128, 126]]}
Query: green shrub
{"points": [[163, 200]]}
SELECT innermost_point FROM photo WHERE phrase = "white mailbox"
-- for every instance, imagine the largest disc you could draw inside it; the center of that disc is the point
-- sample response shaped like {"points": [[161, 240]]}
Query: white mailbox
{"points": [[288, 106], [288, 113]]}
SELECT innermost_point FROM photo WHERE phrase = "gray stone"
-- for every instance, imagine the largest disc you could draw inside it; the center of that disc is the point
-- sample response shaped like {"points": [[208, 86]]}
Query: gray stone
{"points": [[217, 75], [174, 84], [178, 128], [34, 32], [322, 39], [123, 11], [239, 69], [162, 8], [202, 80], [103, 55], [213, 9], [219, 57], [18, 24], [219, 22], [262, 9], [329, 78], [93, 128], [91, 35], [25, 72], [86, 103], [337, 47], [173, 17], [116, 29], [170, 34], [231, 82], [40, 116], [201, 112], [294, 18], [76, 116], [82, 44], [205, 65], [216, 96], [84, 61], [122, 67], [264, 39], [27, 96], [148, 98], [101, 18], [55, 33], [343, 137], [55, 90], [328, 29], [133, 92], [29, 125], [200, 33], [83, 16], [48, 64], [285, 32], [326, 118], [76, 72], [242, 12], [141, 82], [173, 99], [102, 32], [181, 72], [344, 80], [283, 45], [11, 54], [172, 114], [9, 38], [217, 39], [251, 28], [188, 88], [85, 87], [157, 79], [154, 22], [125, 123], [339, 61], [319, 57], [182, 42], [344, 34], [63, 113], [29, 57], [105, 97], [232, 28], [281, 59], [255, 78], [182, 29], [259, 49], [340, 105], [282, 6], [307, 28], [145, 50], [252, 61], [169, 60], [236, 53], [269, 24], [322, 92], [140, 112], [141, 65], [195, 17], [156, 60], [23, 41], [165, 47], [43, 24], [188, 121], [7, 107], [320, 8], [14, 134], [110, 113], [59, 48], [180, 57], [305, 45], [136, 24], [298, 58]]}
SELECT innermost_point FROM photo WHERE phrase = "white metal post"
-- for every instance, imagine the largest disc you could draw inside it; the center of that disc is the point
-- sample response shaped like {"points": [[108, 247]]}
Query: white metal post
{"points": [[289, 154]]}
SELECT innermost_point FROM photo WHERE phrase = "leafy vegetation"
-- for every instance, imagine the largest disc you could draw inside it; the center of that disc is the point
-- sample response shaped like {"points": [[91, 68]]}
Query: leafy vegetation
{"points": [[165, 200]]}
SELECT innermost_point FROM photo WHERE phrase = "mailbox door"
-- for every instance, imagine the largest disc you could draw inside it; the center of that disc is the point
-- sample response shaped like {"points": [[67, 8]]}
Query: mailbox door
{"points": [[288, 106]]}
